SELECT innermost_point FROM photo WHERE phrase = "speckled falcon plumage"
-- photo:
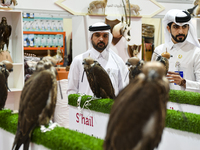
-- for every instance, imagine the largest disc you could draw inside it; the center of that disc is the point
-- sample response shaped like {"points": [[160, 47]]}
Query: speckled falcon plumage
{"points": [[137, 117], [165, 62], [37, 102], [98, 79], [5, 32], [135, 66], [5, 68]]}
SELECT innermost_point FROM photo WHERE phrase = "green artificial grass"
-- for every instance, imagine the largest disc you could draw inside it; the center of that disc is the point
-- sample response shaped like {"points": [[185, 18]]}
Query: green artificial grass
{"points": [[59, 138], [184, 97], [183, 121], [104, 105], [99, 105], [175, 119], [8, 121]]}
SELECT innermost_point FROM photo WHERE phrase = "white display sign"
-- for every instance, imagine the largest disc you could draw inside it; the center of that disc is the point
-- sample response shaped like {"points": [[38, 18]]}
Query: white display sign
{"points": [[184, 107], [88, 122]]}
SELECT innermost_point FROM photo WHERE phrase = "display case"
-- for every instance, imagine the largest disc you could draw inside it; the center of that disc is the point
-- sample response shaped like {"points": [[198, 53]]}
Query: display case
{"points": [[148, 41], [41, 49], [16, 78]]}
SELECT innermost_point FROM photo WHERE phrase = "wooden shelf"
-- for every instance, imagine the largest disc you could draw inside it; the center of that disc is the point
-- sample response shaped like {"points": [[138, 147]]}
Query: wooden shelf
{"points": [[36, 50], [15, 90], [16, 77], [42, 32], [41, 48]]}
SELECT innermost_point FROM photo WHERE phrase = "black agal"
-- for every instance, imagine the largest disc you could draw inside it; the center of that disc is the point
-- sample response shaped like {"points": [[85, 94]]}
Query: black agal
{"points": [[183, 19], [99, 28]]}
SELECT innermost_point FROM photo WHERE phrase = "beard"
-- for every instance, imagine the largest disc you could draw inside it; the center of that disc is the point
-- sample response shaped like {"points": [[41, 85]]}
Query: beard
{"points": [[99, 46], [179, 40]]}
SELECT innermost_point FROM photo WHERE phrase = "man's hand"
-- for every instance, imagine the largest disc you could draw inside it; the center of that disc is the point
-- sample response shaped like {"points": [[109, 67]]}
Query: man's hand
{"points": [[174, 77]]}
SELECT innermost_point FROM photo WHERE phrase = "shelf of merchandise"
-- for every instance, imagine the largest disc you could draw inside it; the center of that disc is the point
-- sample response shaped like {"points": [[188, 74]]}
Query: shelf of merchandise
{"points": [[45, 48], [16, 77]]}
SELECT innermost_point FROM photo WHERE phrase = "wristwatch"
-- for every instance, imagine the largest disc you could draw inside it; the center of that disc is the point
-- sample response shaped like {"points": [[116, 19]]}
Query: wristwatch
{"points": [[183, 82]]}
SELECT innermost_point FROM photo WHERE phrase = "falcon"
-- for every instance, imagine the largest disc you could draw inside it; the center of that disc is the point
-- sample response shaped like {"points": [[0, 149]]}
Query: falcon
{"points": [[137, 117], [5, 68], [37, 102], [98, 79], [135, 66], [164, 59], [5, 32]]}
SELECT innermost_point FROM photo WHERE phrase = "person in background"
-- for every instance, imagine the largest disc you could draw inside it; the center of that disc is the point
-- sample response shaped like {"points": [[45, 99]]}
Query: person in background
{"points": [[182, 43], [100, 39]]}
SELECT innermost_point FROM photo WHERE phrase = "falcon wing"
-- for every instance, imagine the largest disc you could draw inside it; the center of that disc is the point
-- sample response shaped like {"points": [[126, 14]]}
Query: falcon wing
{"points": [[9, 28], [103, 82], [36, 101], [135, 106], [4, 90]]}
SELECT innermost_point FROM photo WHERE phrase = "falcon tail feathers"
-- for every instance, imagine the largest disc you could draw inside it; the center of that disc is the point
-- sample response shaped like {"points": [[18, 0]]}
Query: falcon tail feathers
{"points": [[23, 140], [17, 144]]}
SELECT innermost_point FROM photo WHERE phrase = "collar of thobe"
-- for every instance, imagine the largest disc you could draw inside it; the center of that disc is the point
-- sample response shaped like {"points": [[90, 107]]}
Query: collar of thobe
{"points": [[177, 46], [98, 55]]}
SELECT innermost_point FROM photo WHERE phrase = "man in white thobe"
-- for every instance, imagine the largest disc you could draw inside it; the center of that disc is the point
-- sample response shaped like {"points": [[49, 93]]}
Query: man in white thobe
{"points": [[182, 43], [101, 38]]}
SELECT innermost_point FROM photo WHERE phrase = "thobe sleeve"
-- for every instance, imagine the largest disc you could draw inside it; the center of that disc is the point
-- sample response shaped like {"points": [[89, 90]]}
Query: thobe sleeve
{"points": [[73, 77], [123, 76], [120, 81], [154, 55], [195, 85]]}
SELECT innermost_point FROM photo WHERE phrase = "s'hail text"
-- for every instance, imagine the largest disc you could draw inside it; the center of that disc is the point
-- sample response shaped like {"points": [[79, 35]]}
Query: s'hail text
{"points": [[84, 120]]}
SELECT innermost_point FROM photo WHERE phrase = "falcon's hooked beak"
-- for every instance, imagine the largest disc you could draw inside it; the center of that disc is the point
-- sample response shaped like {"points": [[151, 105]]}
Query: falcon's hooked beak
{"points": [[128, 63], [84, 62]]}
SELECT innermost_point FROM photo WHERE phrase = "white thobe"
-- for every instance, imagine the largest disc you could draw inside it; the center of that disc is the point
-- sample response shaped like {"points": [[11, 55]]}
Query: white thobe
{"points": [[109, 60], [188, 56]]}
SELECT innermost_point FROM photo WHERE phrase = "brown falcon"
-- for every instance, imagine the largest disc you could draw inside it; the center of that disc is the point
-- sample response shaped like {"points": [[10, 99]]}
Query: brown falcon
{"points": [[135, 66], [164, 59], [98, 79], [137, 117], [37, 102], [5, 68], [5, 32]]}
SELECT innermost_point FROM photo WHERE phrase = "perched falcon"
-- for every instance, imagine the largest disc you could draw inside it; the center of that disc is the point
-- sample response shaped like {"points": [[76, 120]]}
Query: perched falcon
{"points": [[53, 60], [5, 32], [137, 117], [5, 68], [37, 102], [98, 79], [164, 59], [59, 55], [135, 66]]}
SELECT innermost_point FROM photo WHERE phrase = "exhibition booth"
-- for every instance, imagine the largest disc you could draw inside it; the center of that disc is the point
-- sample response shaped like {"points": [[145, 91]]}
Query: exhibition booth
{"points": [[81, 120]]}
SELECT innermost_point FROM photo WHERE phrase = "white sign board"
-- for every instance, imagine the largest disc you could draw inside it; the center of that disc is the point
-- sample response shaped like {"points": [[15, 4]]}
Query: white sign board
{"points": [[88, 122]]}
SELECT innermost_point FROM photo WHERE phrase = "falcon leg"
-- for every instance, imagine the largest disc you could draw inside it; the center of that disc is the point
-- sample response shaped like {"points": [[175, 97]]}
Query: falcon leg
{"points": [[52, 125], [94, 97], [7, 46]]}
